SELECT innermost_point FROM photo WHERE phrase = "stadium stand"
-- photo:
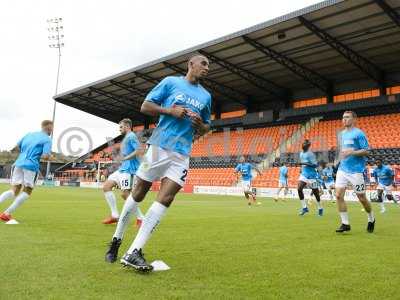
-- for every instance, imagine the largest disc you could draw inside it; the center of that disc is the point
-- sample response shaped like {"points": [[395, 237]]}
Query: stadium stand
{"points": [[269, 81]]}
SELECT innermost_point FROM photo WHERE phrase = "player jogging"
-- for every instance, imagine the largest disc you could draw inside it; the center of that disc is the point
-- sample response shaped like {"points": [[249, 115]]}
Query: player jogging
{"points": [[32, 147], [244, 169], [184, 107], [123, 178], [352, 156], [384, 178], [283, 181], [327, 173], [308, 178]]}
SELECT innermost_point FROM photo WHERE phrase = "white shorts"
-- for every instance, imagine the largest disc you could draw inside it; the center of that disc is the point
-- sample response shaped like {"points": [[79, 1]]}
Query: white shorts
{"points": [[330, 185], [23, 177], [386, 188], [246, 186], [356, 180], [159, 163], [283, 184], [125, 181], [311, 183]]}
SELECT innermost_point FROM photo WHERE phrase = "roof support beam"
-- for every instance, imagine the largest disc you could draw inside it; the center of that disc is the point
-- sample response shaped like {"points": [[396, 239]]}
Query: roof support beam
{"points": [[93, 101], [146, 77], [254, 79], [307, 74], [367, 67], [226, 91], [116, 98], [394, 15], [133, 90]]}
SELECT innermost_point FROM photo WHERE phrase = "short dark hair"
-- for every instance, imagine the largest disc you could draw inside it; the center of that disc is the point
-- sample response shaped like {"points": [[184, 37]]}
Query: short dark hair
{"points": [[46, 122], [126, 121], [353, 113]]}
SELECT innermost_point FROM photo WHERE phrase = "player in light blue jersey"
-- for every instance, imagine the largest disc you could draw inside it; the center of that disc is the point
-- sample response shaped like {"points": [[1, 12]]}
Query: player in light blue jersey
{"points": [[327, 174], [184, 110], [384, 178], [32, 147], [244, 169], [123, 178], [283, 181], [308, 178], [352, 156]]}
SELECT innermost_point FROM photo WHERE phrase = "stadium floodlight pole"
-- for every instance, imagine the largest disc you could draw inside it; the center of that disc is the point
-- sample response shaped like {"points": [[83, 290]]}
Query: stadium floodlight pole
{"points": [[56, 36]]}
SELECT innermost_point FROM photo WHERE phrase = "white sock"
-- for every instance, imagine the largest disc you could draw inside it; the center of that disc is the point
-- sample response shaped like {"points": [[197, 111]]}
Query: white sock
{"points": [[319, 205], [382, 205], [112, 203], [130, 206], [6, 195], [139, 213], [303, 203], [371, 217], [150, 221], [21, 198], [330, 196], [345, 217]]}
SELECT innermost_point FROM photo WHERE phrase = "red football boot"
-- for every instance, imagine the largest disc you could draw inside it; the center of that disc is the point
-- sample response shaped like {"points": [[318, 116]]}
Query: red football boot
{"points": [[5, 217], [110, 220]]}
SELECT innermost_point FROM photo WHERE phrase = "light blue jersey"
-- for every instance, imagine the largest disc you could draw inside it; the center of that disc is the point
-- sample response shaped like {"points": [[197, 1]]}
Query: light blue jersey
{"points": [[32, 146], [283, 174], [353, 139], [172, 133], [327, 174], [129, 144], [245, 170], [383, 175], [319, 179], [310, 171]]}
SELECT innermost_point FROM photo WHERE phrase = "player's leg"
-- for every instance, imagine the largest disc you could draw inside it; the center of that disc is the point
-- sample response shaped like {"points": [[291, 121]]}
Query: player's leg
{"points": [[278, 192], [300, 190], [317, 196], [389, 194], [340, 188], [17, 178], [28, 181], [368, 208], [111, 199], [381, 200], [157, 210], [130, 206], [358, 183], [139, 215]]}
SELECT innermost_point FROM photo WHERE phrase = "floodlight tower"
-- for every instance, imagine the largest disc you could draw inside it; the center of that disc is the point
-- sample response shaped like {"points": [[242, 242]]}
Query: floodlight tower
{"points": [[56, 40]]}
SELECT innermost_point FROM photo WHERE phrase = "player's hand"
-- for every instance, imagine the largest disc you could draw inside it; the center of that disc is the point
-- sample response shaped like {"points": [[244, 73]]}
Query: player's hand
{"points": [[197, 122], [177, 111], [346, 152]]}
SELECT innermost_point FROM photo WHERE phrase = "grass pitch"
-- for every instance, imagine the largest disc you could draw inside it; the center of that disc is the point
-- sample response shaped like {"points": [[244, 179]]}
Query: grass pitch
{"points": [[216, 246]]}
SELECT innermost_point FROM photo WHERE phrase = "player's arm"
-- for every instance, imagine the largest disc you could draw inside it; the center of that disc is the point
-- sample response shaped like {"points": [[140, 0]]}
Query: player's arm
{"points": [[152, 109], [200, 127], [46, 152], [137, 153], [363, 145], [202, 123], [257, 169], [153, 104]]}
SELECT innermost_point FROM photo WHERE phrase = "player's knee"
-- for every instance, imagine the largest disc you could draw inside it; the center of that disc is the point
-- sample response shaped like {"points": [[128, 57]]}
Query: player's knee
{"points": [[166, 200], [125, 194], [28, 190], [107, 187]]}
